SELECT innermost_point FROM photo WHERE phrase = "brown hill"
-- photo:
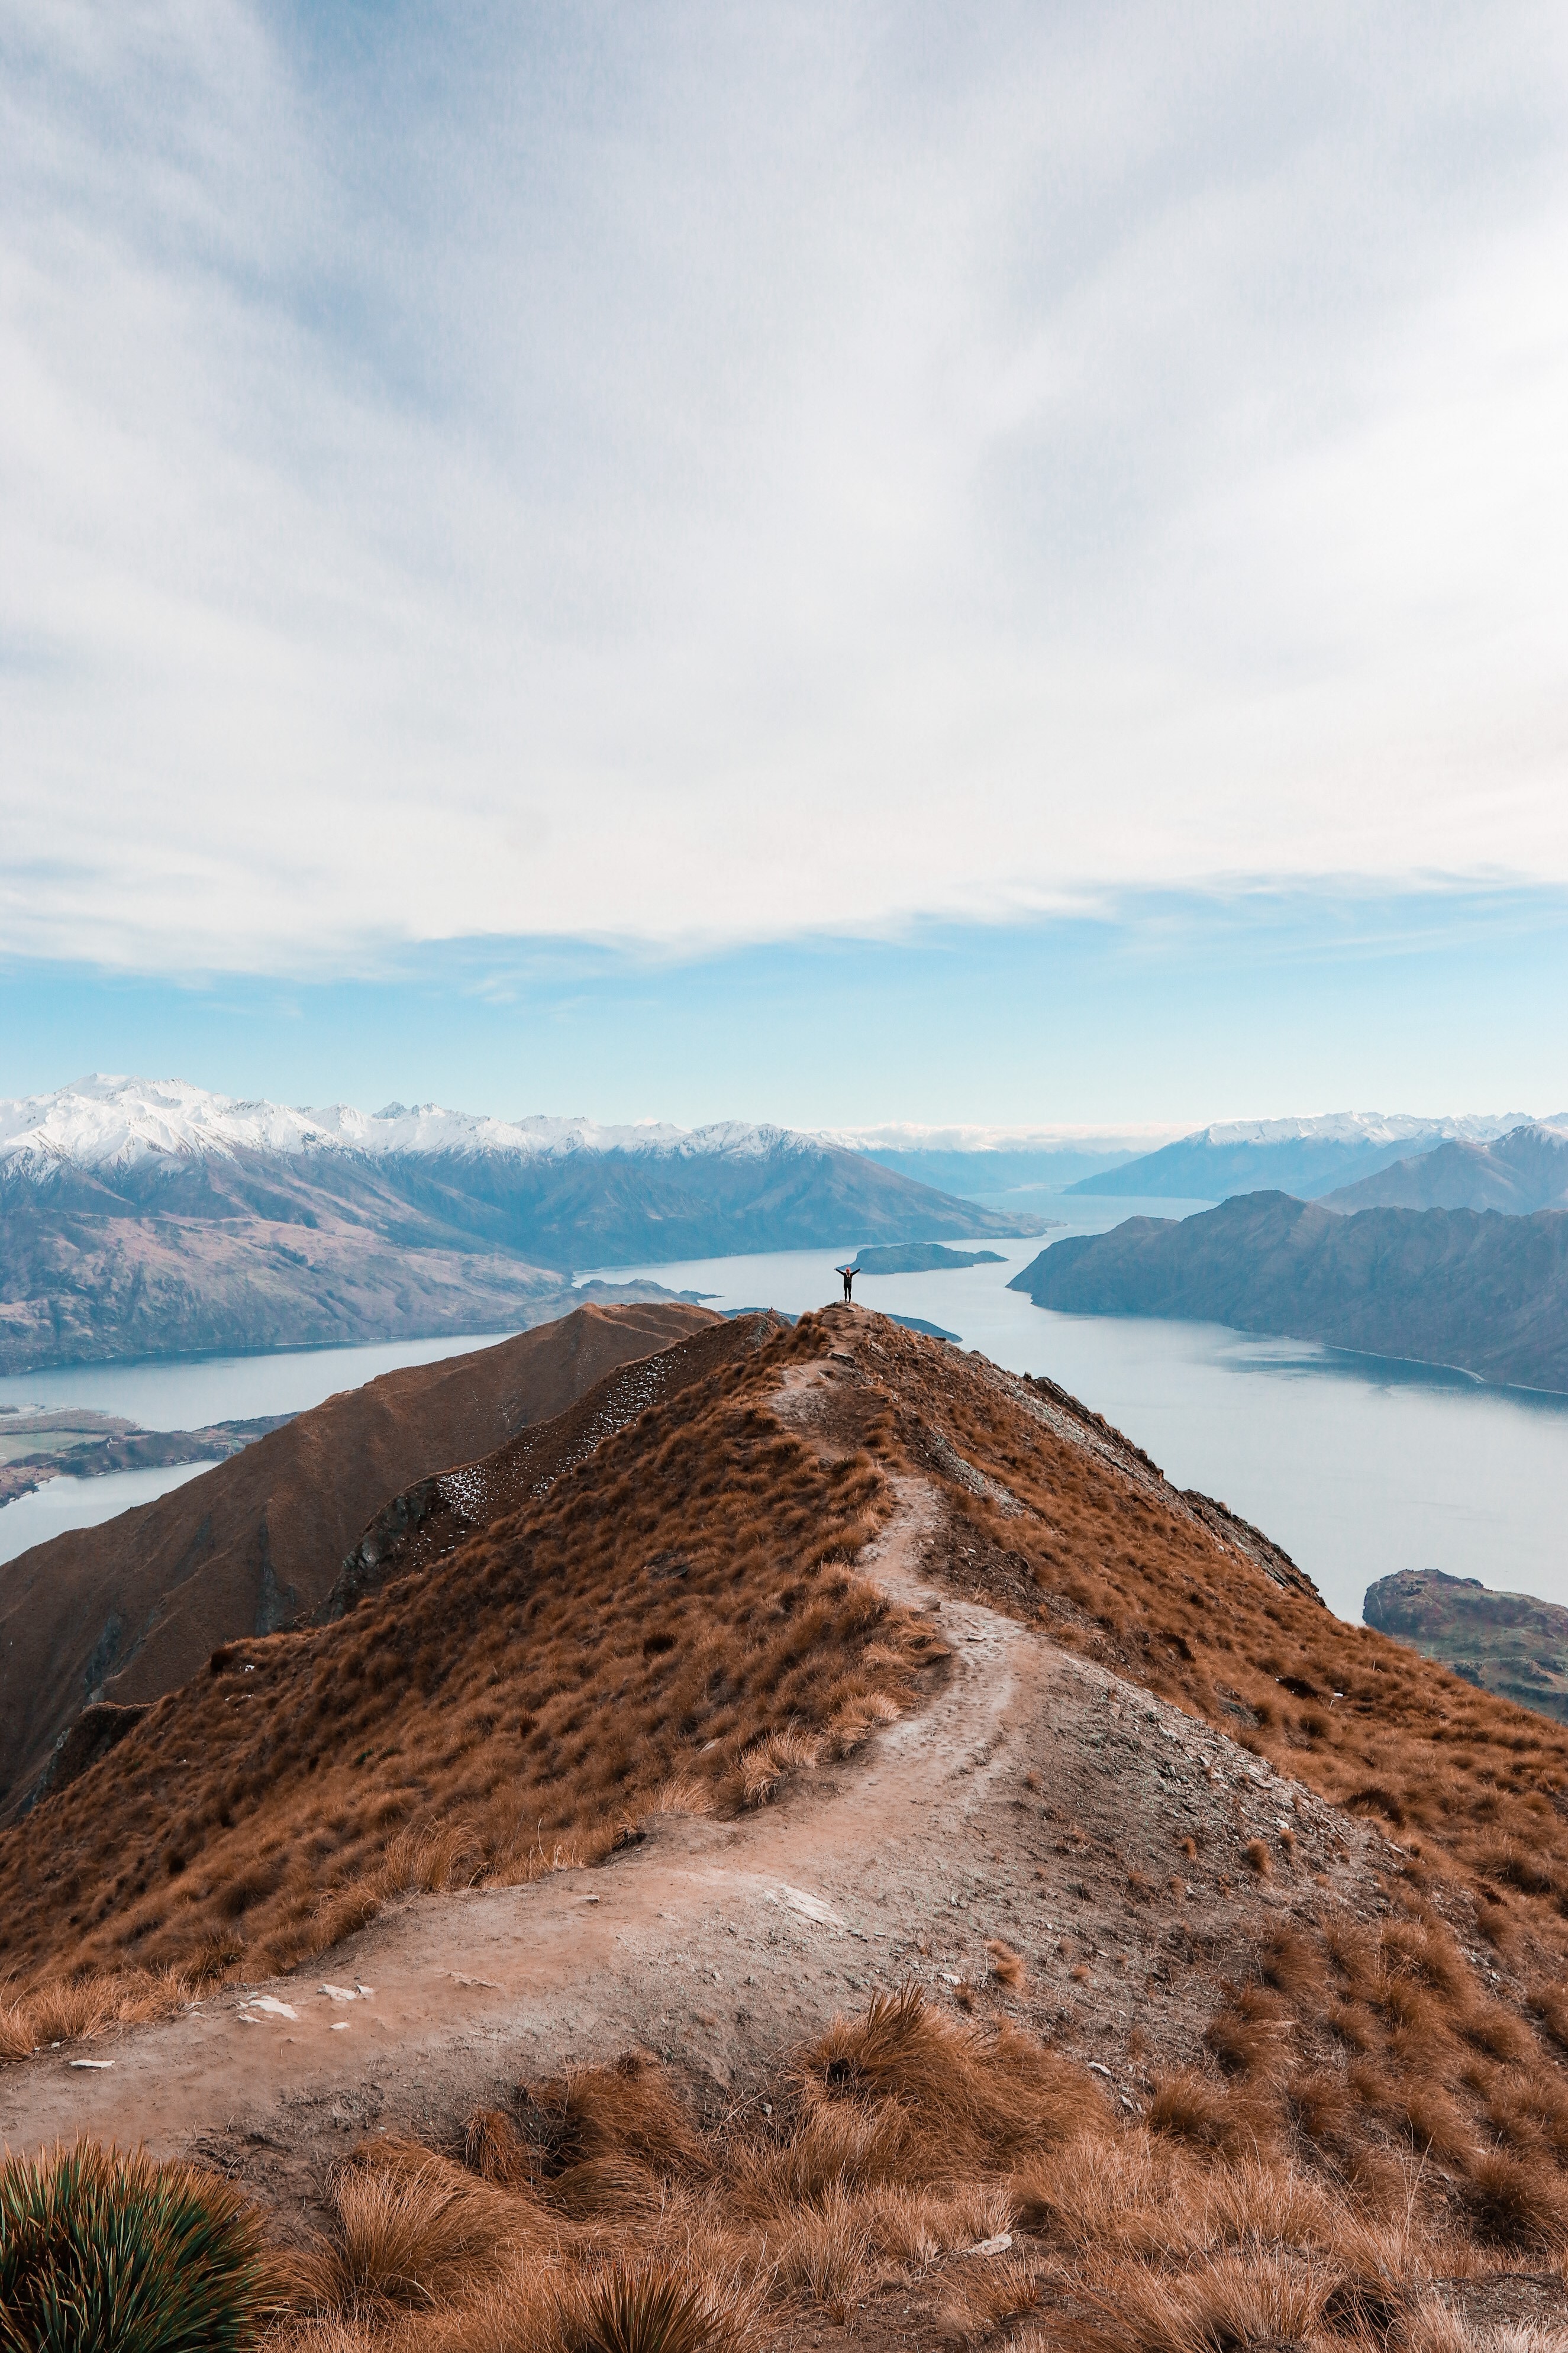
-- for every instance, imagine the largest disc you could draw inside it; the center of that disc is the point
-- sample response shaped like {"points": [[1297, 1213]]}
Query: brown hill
{"points": [[129, 1609], [1292, 1895], [88, 1277], [429, 1520]]}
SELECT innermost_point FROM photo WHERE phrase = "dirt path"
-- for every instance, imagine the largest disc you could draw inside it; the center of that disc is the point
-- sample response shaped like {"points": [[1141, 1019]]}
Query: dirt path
{"points": [[1036, 1799]]}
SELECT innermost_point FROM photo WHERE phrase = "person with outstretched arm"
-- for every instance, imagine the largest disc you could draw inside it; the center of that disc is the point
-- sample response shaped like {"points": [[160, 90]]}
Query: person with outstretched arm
{"points": [[848, 1273]]}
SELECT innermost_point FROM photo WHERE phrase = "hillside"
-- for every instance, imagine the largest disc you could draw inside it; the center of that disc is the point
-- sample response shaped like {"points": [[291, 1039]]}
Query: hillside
{"points": [[1509, 1644], [1484, 1293], [128, 1610], [1308, 1157], [1523, 1171], [1214, 1948], [151, 1218]]}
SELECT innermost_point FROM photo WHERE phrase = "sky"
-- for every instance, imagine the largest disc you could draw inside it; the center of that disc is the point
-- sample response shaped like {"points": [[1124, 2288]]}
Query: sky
{"points": [[841, 565]]}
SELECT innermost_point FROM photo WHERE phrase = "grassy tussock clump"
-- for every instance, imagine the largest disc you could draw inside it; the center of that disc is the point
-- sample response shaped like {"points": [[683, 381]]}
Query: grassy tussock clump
{"points": [[676, 1622], [1370, 2047], [102, 2248], [600, 2212], [77, 2009]]}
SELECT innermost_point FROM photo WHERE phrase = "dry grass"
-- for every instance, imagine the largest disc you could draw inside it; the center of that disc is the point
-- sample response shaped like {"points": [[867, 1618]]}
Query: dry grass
{"points": [[676, 1624], [78, 2010], [1006, 1966], [900, 2143]]}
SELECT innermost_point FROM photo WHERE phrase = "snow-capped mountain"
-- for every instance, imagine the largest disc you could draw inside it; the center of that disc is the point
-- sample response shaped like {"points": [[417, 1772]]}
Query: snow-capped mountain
{"points": [[114, 1124], [1375, 1127], [1307, 1156], [145, 1217]]}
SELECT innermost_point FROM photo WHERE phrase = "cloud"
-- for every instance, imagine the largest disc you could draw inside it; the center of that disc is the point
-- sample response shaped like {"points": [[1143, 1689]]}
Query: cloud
{"points": [[698, 477]]}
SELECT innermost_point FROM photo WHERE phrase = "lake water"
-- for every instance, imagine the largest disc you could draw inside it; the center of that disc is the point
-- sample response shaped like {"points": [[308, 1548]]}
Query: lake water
{"points": [[1357, 1466]]}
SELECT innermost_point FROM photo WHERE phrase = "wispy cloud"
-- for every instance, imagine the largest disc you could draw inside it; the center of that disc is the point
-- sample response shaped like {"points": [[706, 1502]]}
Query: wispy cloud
{"points": [[700, 476]]}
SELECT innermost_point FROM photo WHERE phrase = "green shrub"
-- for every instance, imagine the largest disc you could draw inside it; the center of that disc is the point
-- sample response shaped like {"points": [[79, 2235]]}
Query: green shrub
{"points": [[106, 2252]]}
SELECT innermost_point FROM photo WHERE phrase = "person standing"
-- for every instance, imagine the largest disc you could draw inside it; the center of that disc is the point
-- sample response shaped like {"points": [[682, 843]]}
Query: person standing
{"points": [[848, 1273]]}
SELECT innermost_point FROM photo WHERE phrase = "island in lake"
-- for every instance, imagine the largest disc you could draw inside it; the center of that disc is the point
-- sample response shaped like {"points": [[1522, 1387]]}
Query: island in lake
{"points": [[919, 1258]]}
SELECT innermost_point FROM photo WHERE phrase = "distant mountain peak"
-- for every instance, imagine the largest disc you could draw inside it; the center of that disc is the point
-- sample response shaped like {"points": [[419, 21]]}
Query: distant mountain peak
{"points": [[105, 1122]]}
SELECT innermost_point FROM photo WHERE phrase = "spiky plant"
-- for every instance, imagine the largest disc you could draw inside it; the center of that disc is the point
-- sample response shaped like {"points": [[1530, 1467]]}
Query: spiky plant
{"points": [[103, 2251], [647, 2309]]}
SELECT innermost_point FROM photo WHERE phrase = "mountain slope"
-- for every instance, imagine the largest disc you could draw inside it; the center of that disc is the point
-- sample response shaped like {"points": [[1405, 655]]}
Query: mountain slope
{"points": [[141, 1219], [128, 1610], [1130, 1795], [1308, 1157], [1483, 1292], [1523, 1171]]}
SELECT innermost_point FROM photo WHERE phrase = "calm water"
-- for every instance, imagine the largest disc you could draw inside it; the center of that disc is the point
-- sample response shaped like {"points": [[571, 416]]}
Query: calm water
{"points": [[64, 1503], [1357, 1466]]}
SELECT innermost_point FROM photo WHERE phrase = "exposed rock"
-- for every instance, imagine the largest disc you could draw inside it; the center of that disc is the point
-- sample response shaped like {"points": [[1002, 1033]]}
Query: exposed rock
{"points": [[1509, 1644]]}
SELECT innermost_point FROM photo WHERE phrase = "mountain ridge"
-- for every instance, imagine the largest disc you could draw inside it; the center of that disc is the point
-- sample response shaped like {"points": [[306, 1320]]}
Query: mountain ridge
{"points": [[1477, 1290], [153, 1218], [1518, 1173], [129, 1609], [1307, 1156]]}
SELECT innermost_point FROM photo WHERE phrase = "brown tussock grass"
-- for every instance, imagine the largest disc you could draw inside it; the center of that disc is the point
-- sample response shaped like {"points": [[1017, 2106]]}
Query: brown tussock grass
{"points": [[1007, 1967], [676, 1625], [898, 2141]]}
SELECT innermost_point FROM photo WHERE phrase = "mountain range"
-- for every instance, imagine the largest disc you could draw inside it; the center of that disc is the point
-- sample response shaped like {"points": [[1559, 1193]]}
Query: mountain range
{"points": [[1308, 1157], [1523, 1171], [1475, 1290], [151, 1218]]}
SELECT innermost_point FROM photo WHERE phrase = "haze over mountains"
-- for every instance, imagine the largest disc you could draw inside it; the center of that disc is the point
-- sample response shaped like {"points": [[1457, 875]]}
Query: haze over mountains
{"points": [[148, 1218], [1523, 1171], [1304, 1156]]}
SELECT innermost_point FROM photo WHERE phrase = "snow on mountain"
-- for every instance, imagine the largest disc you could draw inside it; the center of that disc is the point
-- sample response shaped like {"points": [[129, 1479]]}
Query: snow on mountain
{"points": [[1362, 1127], [910, 1136], [105, 1123]]}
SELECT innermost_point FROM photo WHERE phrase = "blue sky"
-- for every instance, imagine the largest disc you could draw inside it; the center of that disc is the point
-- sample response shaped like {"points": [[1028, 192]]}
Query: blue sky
{"points": [[842, 564], [1169, 1013]]}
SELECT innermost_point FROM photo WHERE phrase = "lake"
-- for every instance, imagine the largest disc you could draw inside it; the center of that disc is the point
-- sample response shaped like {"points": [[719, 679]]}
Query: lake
{"points": [[1357, 1466]]}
